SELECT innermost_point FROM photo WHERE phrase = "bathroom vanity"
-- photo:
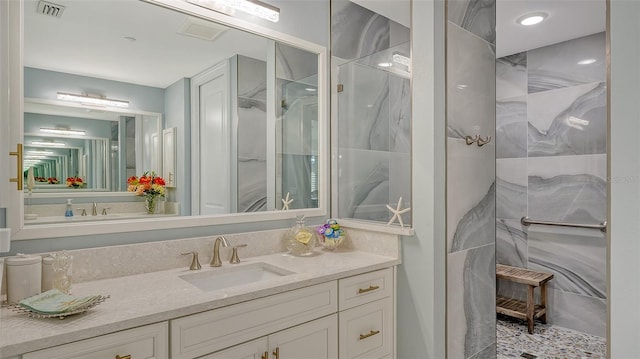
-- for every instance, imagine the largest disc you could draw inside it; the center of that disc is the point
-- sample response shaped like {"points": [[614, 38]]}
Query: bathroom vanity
{"points": [[328, 305]]}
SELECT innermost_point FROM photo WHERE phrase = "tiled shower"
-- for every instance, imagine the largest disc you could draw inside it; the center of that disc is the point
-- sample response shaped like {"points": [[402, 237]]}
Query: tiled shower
{"points": [[551, 166]]}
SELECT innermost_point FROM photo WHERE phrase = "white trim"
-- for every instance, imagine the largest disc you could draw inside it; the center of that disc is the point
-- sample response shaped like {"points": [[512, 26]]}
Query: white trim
{"points": [[375, 226]]}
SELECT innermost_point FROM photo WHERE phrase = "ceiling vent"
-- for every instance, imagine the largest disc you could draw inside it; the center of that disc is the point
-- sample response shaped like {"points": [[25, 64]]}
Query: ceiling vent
{"points": [[201, 29], [50, 9]]}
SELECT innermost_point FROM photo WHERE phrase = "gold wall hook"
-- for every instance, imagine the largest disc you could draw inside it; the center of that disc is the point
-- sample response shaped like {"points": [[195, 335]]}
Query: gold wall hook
{"points": [[19, 180], [482, 142], [470, 140]]}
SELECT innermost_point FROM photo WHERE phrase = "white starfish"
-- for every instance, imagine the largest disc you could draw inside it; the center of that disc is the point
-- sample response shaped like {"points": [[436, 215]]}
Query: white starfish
{"points": [[397, 213], [286, 202]]}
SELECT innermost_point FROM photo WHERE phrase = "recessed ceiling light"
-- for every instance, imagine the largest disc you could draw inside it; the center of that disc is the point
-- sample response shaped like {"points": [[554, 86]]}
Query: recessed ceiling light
{"points": [[532, 18], [587, 62], [385, 64]]}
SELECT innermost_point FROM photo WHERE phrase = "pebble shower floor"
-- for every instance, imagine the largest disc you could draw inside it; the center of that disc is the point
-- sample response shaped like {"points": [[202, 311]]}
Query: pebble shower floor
{"points": [[547, 341]]}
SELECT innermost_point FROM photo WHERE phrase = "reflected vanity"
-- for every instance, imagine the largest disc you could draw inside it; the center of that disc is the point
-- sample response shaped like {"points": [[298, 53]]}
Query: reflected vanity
{"points": [[238, 145]]}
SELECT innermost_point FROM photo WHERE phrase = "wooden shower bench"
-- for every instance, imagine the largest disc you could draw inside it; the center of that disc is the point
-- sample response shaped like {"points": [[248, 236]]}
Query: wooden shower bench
{"points": [[524, 310]]}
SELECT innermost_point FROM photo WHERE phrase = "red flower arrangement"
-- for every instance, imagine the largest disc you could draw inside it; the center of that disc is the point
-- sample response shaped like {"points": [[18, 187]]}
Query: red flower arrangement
{"points": [[52, 180], [75, 182]]}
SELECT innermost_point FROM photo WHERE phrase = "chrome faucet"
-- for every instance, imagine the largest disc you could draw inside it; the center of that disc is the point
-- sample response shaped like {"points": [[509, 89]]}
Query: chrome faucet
{"points": [[94, 209], [215, 260]]}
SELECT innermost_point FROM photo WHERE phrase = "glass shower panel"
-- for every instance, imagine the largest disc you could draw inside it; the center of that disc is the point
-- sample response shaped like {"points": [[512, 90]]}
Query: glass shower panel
{"points": [[299, 149], [374, 119]]}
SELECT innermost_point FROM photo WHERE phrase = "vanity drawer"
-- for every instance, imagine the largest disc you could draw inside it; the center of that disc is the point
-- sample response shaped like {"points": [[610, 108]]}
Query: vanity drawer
{"points": [[148, 342], [367, 331], [365, 288], [208, 332]]}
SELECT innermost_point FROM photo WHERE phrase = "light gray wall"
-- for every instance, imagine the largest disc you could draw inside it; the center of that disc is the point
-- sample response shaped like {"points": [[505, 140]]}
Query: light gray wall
{"points": [[624, 172], [177, 113], [421, 286], [45, 84]]}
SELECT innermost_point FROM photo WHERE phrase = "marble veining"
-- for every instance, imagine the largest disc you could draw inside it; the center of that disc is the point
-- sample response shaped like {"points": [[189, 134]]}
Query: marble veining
{"points": [[578, 312], [477, 227], [475, 16], [511, 76], [358, 32], [580, 127], [511, 128], [511, 243], [471, 301], [556, 66], [576, 257], [511, 188], [568, 198], [471, 84]]}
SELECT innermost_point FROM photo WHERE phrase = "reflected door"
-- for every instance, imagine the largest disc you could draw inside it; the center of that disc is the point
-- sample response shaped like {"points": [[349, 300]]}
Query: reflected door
{"points": [[215, 173]]}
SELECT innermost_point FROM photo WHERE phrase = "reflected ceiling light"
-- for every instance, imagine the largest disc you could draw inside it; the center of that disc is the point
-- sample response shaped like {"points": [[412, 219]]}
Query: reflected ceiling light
{"points": [[63, 131], [48, 143], [40, 152], [401, 59], [31, 157], [385, 64], [310, 89], [577, 122], [253, 7], [532, 18], [93, 100], [587, 62]]}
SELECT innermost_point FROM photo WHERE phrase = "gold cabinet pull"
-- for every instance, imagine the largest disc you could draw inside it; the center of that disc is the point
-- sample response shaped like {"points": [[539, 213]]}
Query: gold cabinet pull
{"points": [[276, 353], [265, 355], [371, 287], [128, 356], [370, 334], [20, 178]]}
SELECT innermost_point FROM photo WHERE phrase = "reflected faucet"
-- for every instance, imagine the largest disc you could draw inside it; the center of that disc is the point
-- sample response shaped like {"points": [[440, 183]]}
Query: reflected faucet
{"points": [[94, 209], [215, 260]]}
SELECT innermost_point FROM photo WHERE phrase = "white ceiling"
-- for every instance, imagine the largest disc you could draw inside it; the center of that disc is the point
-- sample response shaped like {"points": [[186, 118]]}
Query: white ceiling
{"points": [[89, 39], [90, 36], [568, 19]]}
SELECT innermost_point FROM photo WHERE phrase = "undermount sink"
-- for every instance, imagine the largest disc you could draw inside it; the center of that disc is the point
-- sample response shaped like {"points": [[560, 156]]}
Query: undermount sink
{"points": [[217, 279]]}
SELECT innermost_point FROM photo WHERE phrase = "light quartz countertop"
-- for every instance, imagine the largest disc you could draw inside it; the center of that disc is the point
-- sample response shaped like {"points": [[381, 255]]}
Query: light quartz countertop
{"points": [[148, 298]]}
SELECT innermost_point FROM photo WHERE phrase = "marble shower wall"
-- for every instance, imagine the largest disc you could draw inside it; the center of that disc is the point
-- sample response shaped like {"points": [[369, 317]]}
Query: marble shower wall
{"points": [[374, 112], [551, 165], [471, 184]]}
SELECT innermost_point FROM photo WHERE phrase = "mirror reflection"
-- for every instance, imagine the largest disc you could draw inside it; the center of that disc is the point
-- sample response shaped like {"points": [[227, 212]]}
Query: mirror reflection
{"points": [[242, 110]]}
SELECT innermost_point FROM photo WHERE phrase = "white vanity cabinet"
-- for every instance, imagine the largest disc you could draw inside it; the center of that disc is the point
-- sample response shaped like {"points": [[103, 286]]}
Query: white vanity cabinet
{"points": [[317, 339], [204, 333], [366, 317], [350, 317], [148, 342]]}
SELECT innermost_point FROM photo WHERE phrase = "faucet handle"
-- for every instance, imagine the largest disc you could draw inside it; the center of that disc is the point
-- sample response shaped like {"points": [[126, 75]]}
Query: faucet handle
{"points": [[104, 210], [234, 255], [195, 263], [84, 211]]}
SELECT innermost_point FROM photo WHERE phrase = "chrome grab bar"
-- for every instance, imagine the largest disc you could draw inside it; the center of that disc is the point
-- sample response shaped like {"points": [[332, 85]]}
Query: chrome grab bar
{"points": [[526, 221]]}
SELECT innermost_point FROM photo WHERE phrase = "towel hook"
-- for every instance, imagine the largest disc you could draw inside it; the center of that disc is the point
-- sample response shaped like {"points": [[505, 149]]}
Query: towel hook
{"points": [[470, 140], [482, 142]]}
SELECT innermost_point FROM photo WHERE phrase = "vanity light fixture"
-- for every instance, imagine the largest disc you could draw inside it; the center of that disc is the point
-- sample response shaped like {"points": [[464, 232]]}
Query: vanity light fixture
{"points": [[35, 157], [63, 131], [532, 18], [93, 100], [48, 143], [253, 7], [587, 62]]}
